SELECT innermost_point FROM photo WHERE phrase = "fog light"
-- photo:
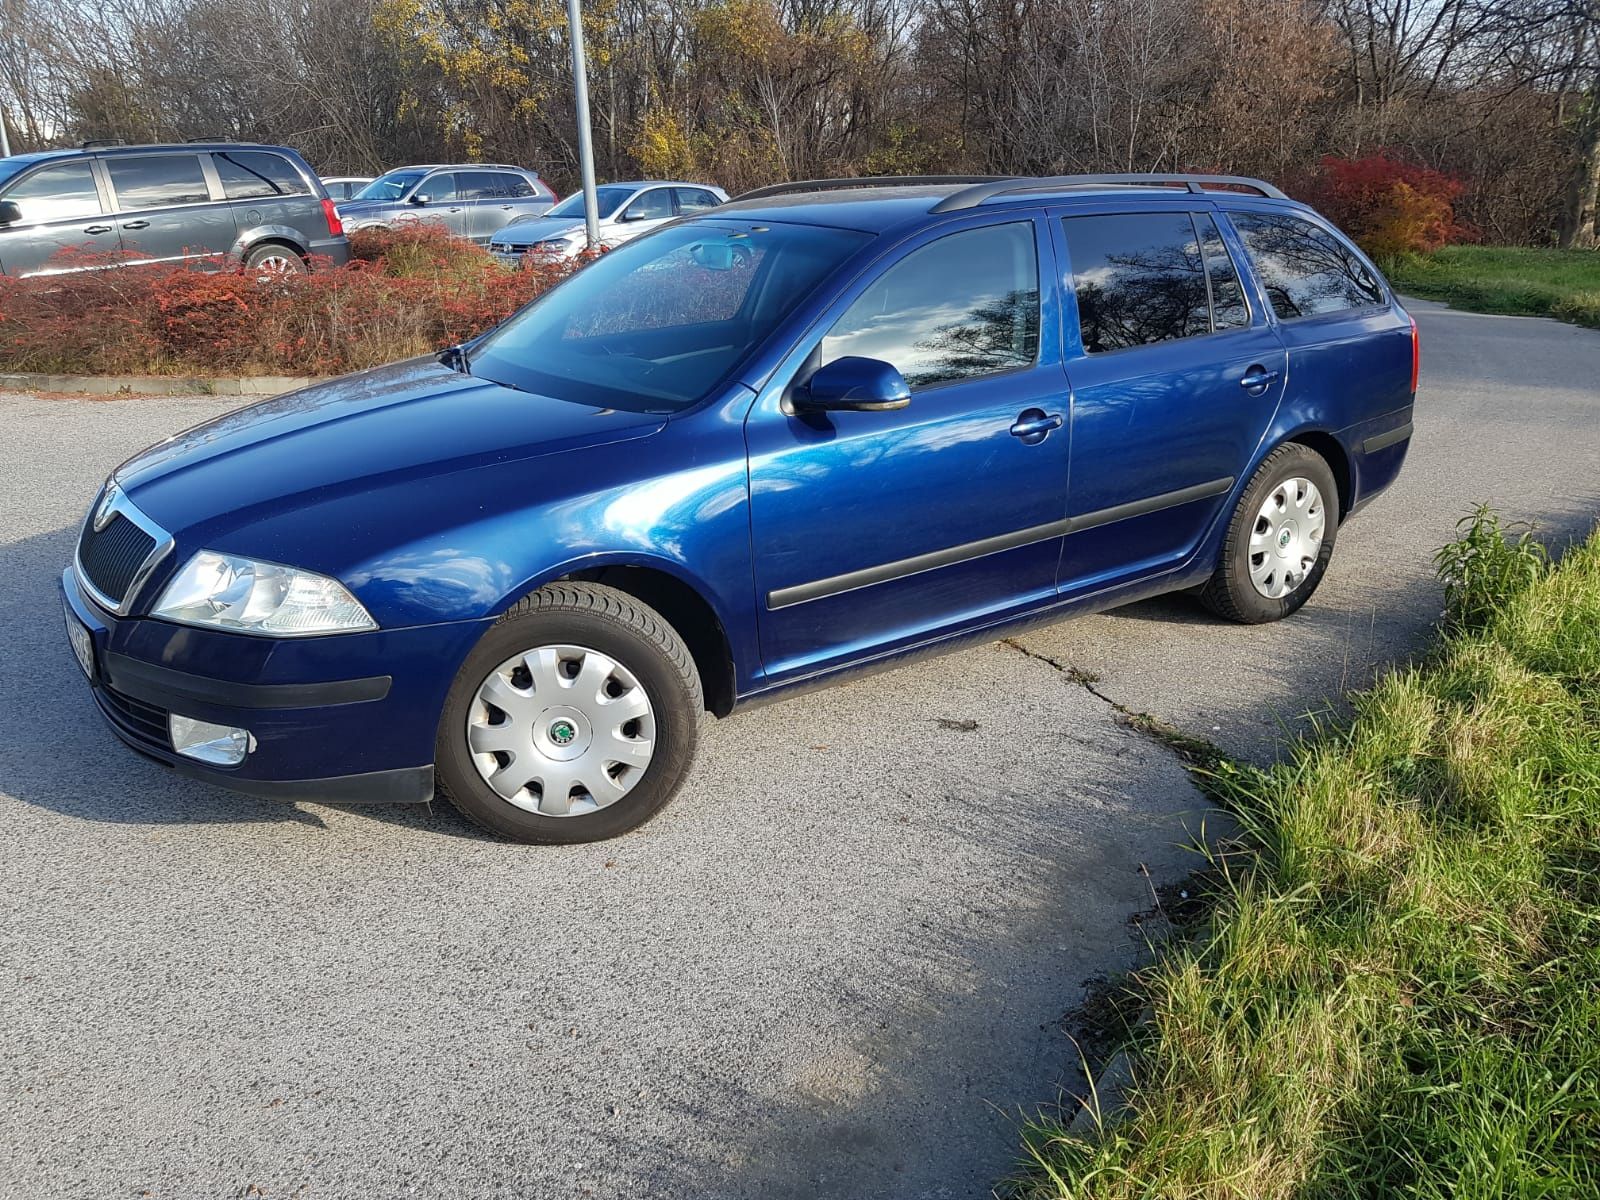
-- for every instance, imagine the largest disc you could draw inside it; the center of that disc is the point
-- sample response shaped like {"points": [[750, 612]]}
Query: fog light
{"points": [[221, 745]]}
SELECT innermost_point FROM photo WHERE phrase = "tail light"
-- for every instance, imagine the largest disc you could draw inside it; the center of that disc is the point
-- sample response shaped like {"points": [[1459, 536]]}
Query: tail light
{"points": [[336, 229], [1416, 356]]}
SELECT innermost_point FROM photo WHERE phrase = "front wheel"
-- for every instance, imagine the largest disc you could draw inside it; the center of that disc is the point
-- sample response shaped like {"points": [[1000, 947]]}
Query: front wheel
{"points": [[574, 719], [1279, 540]]}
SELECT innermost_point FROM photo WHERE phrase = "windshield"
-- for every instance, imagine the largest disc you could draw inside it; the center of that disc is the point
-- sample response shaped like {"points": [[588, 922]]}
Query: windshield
{"points": [[654, 325], [608, 199], [389, 187]]}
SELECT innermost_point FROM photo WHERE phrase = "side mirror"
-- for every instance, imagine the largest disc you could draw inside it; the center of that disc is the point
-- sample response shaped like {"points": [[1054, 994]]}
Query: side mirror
{"points": [[853, 385], [628, 214], [9, 212], [416, 199]]}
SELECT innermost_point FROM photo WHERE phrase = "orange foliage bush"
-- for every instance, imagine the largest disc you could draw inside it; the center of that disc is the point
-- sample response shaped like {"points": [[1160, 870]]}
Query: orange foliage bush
{"points": [[406, 292], [1390, 207]]}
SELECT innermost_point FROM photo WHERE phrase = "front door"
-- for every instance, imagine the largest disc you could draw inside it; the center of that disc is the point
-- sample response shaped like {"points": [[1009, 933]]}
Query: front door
{"points": [[880, 529], [64, 225], [1175, 380], [438, 198], [646, 211]]}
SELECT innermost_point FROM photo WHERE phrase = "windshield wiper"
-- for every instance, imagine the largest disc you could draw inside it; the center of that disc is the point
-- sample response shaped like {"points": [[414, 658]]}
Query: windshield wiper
{"points": [[455, 357]]}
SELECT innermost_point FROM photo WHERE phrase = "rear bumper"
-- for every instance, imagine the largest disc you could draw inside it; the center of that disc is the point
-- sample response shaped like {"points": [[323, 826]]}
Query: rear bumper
{"points": [[333, 252], [344, 719]]}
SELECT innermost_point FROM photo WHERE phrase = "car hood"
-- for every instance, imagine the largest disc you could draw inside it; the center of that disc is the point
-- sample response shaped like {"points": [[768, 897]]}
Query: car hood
{"points": [[321, 477], [353, 209], [526, 233]]}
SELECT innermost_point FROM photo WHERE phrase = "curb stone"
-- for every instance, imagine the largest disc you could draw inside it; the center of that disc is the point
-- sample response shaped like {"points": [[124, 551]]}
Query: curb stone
{"points": [[156, 385]]}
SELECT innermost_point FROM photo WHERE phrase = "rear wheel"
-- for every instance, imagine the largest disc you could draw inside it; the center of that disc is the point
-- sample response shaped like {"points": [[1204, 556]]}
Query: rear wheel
{"points": [[574, 719], [1279, 541], [274, 262]]}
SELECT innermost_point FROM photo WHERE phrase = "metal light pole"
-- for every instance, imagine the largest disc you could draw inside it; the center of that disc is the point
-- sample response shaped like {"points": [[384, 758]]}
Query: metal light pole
{"points": [[580, 89], [5, 142]]}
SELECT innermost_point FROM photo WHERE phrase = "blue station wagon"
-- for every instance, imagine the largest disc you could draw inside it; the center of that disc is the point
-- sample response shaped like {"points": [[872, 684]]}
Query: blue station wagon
{"points": [[812, 431]]}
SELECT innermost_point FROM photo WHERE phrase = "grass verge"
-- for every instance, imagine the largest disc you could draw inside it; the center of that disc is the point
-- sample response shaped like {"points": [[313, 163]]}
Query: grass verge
{"points": [[1564, 284], [1398, 992]]}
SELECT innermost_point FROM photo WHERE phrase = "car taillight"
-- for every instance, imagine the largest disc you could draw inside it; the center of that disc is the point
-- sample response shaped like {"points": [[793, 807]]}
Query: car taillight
{"points": [[336, 226], [1416, 355]]}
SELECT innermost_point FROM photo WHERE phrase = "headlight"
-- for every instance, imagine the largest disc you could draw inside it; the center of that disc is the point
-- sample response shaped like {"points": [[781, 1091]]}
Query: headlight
{"points": [[223, 591]]}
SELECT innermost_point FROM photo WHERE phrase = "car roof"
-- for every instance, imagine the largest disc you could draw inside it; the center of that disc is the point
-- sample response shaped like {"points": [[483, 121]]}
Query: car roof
{"points": [[878, 205], [478, 166]]}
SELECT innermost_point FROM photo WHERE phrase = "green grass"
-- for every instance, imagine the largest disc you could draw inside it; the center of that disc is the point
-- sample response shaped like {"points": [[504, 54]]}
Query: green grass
{"points": [[1398, 990], [1507, 279]]}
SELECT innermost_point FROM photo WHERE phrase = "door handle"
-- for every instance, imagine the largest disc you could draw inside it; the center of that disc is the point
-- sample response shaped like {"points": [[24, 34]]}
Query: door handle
{"points": [[1256, 379], [135, 224], [97, 229], [1034, 425], [505, 208]]}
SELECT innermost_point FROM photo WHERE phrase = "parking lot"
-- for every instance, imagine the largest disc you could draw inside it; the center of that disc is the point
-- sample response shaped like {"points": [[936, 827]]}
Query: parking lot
{"points": [[834, 967]]}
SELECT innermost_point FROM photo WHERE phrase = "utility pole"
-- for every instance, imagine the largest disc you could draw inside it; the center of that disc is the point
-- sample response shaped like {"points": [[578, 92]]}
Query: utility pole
{"points": [[5, 142], [580, 93]]}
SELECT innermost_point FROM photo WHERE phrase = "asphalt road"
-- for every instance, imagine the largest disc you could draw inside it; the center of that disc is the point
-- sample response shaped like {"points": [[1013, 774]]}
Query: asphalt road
{"points": [[834, 967]]}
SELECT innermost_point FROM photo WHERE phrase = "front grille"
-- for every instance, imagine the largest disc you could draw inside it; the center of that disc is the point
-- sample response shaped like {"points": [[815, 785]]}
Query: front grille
{"points": [[112, 556], [141, 721]]}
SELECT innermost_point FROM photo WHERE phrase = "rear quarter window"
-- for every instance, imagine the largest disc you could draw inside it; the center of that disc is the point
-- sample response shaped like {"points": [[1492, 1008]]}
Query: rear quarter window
{"points": [[258, 175], [1306, 270]]}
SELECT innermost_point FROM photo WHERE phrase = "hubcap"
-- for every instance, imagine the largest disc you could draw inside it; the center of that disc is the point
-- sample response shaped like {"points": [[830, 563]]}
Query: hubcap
{"points": [[561, 730], [1286, 538]]}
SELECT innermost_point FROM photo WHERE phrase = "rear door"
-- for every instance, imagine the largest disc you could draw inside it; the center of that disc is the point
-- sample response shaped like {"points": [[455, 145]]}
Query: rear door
{"points": [[487, 196], [1175, 379], [1349, 349], [165, 209], [693, 200], [878, 529], [64, 223]]}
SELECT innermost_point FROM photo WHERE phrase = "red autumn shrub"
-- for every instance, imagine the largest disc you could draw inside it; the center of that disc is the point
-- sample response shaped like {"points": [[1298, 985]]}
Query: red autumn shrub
{"points": [[1389, 206], [408, 292]]}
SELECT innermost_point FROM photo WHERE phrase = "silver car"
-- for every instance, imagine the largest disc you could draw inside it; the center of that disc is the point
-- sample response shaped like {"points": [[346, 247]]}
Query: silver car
{"points": [[626, 211], [471, 200]]}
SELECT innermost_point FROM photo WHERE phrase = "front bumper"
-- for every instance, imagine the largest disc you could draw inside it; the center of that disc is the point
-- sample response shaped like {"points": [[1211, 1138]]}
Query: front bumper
{"points": [[342, 719]]}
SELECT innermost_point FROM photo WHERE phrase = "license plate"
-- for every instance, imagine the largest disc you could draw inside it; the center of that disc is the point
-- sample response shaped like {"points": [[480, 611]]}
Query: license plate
{"points": [[82, 641]]}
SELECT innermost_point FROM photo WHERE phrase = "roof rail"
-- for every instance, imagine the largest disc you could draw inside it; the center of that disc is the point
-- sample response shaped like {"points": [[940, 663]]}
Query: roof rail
{"points": [[866, 181], [99, 143], [973, 196]]}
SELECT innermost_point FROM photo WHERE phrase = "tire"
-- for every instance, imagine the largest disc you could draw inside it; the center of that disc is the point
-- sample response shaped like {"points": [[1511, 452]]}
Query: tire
{"points": [[274, 259], [541, 659], [1270, 535]]}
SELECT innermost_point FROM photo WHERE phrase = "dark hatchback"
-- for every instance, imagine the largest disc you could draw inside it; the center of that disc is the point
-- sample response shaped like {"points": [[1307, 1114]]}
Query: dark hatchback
{"points": [[805, 433]]}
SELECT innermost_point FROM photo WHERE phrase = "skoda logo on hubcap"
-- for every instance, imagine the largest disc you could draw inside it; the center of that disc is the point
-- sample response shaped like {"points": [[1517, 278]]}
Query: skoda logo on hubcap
{"points": [[1284, 538], [562, 733]]}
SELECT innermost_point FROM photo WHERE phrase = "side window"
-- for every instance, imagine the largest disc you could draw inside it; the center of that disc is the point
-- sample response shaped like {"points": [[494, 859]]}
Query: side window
{"points": [[1139, 279], [437, 189], [256, 175], [654, 205], [157, 180], [56, 193], [1228, 309], [964, 306], [1305, 270], [695, 199], [481, 185], [518, 188]]}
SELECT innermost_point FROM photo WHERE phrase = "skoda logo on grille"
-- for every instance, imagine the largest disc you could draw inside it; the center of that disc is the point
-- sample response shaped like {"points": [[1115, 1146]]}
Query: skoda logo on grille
{"points": [[107, 508], [562, 733]]}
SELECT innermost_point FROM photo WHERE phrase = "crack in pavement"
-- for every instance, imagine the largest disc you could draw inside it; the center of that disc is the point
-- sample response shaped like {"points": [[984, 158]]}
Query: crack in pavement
{"points": [[1194, 752]]}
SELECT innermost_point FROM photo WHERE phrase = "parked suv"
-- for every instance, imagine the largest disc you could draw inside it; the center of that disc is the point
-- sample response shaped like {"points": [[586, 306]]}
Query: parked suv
{"points": [[804, 433], [625, 210], [471, 200], [199, 203]]}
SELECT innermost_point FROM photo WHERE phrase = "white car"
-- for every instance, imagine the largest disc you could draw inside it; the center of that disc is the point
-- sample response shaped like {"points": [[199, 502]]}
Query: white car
{"points": [[342, 187], [626, 210]]}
